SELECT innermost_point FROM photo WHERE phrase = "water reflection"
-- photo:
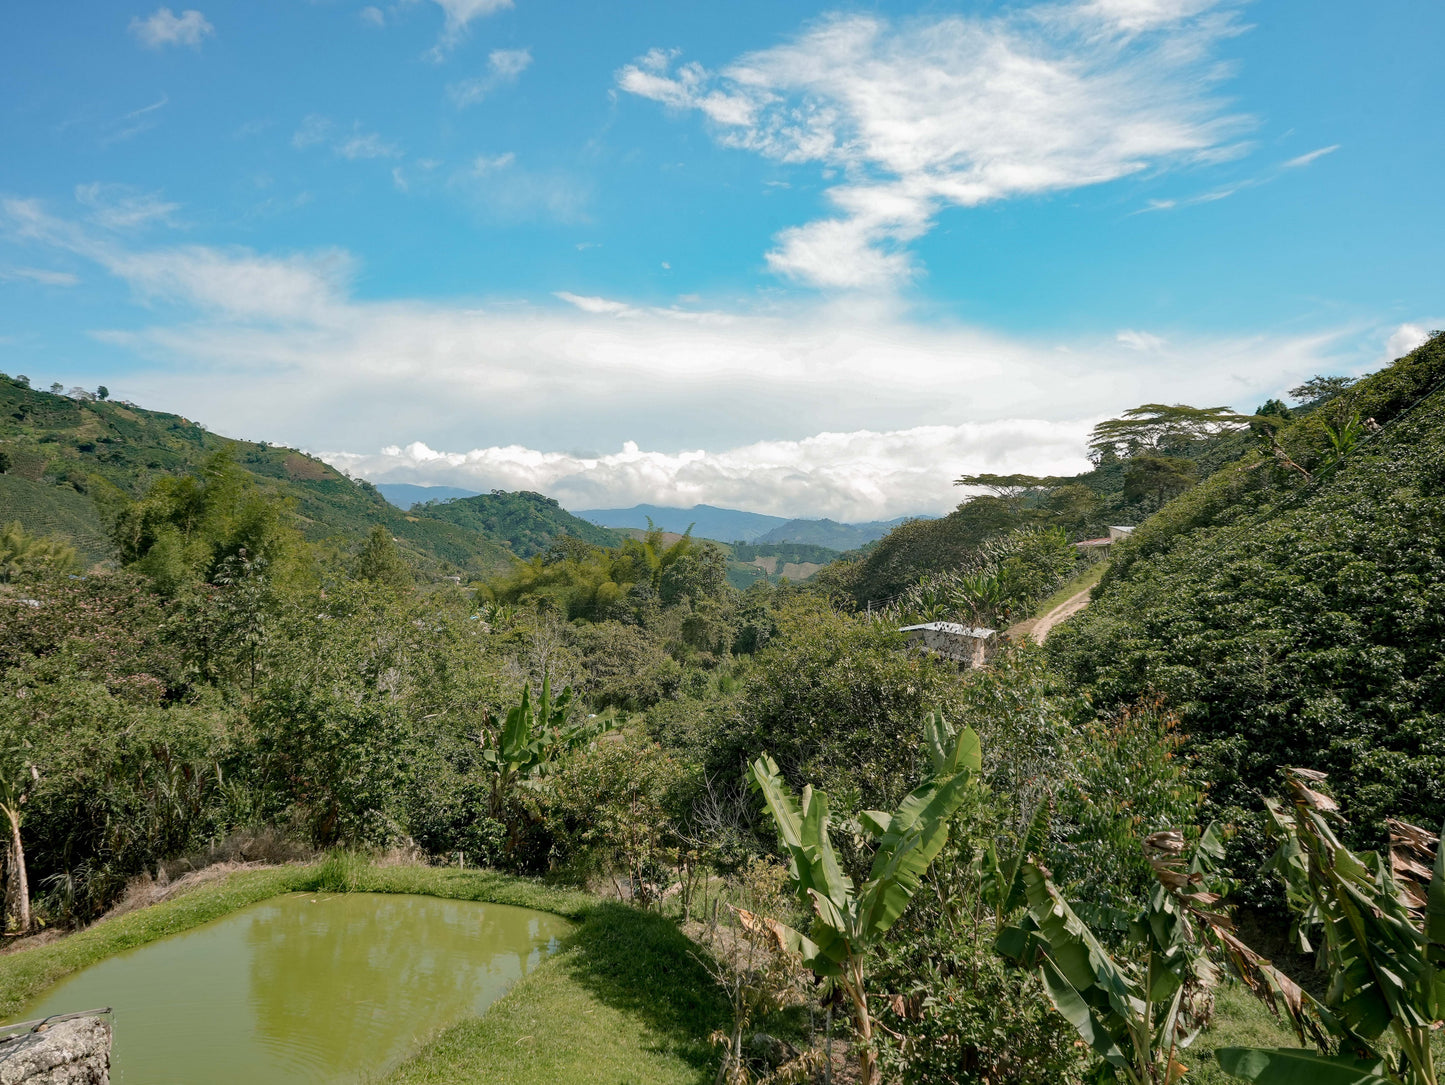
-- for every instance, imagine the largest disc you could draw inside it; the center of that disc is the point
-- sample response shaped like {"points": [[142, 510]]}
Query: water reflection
{"points": [[306, 988]]}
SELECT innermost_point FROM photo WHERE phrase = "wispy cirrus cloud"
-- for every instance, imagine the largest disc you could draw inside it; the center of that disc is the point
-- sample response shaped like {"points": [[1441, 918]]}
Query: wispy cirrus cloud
{"points": [[955, 111], [458, 15], [121, 207], [504, 67], [131, 124], [40, 275], [1312, 156], [163, 27], [351, 143]]}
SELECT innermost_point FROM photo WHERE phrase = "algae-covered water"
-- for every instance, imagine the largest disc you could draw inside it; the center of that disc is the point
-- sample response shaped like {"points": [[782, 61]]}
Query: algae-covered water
{"points": [[304, 988]]}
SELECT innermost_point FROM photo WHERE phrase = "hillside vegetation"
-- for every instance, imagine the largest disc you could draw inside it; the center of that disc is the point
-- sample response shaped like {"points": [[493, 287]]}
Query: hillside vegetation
{"points": [[1292, 607], [73, 462], [1007, 872]]}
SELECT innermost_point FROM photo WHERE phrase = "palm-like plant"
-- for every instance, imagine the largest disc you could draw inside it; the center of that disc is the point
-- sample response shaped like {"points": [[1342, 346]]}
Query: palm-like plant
{"points": [[22, 552], [525, 747], [849, 920], [1381, 924]]}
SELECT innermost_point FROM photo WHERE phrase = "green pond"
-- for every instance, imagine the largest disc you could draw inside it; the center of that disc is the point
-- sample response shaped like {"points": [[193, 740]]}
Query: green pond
{"points": [[305, 988]]}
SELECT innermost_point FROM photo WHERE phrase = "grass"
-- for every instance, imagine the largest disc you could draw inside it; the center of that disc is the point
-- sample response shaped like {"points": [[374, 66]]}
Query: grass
{"points": [[626, 999], [1240, 1020], [1086, 579]]}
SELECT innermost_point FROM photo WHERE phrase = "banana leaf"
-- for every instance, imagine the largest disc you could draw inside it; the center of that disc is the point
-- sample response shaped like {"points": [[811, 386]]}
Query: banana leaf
{"points": [[906, 851], [1296, 1066]]}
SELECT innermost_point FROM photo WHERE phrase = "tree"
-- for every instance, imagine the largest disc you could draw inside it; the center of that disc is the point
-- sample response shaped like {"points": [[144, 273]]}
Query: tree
{"points": [[1157, 427], [56, 388], [1011, 485], [1158, 476], [525, 748], [5, 461], [18, 775], [22, 552], [1321, 388], [1382, 923], [849, 921], [381, 560], [102, 393]]}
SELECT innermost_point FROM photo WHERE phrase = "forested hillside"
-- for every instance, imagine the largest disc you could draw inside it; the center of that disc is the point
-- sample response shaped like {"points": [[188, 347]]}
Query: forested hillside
{"points": [[73, 460], [1142, 460], [622, 718], [1292, 607], [527, 522]]}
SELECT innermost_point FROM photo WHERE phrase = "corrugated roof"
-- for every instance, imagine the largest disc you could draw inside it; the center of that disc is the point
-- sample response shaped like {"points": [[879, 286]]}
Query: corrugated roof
{"points": [[953, 628]]}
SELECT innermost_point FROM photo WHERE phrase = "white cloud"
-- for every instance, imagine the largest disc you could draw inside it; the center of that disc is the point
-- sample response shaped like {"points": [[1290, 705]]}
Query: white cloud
{"points": [[355, 143], [372, 16], [930, 113], [120, 207], [43, 276], [162, 27], [1137, 340], [504, 67], [1306, 159], [1404, 339], [861, 475], [458, 14], [359, 144], [1141, 15], [842, 407]]}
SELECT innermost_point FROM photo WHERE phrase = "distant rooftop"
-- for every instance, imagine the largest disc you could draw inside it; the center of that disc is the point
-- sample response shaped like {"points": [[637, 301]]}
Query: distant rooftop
{"points": [[952, 628]]}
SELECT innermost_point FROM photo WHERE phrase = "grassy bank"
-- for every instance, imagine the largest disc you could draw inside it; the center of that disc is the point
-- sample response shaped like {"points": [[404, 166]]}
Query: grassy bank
{"points": [[625, 1001]]}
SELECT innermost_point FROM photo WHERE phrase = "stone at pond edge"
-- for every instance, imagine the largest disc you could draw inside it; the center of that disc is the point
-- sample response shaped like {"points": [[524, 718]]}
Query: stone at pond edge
{"points": [[67, 1053]]}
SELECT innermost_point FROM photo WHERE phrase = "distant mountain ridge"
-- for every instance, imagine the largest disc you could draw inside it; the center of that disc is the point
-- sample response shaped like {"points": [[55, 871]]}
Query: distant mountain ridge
{"points": [[735, 525]]}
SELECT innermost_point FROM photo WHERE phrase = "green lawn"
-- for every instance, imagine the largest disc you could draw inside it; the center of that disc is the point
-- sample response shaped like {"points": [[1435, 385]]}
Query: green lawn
{"points": [[626, 999], [1240, 1020]]}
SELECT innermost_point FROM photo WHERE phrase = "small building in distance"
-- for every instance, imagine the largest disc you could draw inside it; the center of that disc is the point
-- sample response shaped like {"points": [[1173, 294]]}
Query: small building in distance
{"points": [[1100, 546], [970, 645]]}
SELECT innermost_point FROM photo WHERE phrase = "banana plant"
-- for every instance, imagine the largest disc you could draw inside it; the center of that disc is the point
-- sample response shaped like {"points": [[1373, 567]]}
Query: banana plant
{"points": [[850, 920], [18, 775], [1381, 925], [523, 749], [1138, 1009]]}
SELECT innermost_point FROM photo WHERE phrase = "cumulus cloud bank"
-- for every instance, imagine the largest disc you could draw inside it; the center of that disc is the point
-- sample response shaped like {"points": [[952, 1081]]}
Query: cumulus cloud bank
{"points": [[958, 110], [861, 475], [849, 408]]}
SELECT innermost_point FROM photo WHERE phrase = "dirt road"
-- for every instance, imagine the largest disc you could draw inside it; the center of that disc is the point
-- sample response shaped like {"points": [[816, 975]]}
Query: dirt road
{"points": [[1038, 628]]}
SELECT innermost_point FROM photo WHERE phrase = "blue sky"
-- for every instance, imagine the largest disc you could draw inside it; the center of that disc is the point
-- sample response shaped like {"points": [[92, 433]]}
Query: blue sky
{"points": [[802, 259]]}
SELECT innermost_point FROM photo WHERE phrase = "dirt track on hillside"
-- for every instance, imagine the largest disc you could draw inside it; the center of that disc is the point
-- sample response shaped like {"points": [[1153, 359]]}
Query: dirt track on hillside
{"points": [[1038, 628]]}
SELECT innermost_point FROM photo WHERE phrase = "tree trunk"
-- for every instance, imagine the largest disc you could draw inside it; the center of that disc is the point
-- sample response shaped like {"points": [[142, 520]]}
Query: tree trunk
{"points": [[867, 1057], [22, 885]]}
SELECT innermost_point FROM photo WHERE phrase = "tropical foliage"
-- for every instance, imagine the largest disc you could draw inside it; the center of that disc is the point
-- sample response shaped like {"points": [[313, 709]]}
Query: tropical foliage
{"points": [[849, 920]]}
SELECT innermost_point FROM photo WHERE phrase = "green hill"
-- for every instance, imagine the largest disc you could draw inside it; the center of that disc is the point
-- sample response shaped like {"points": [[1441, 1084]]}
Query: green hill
{"points": [[1292, 606], [527, 522], [73, 461]]}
